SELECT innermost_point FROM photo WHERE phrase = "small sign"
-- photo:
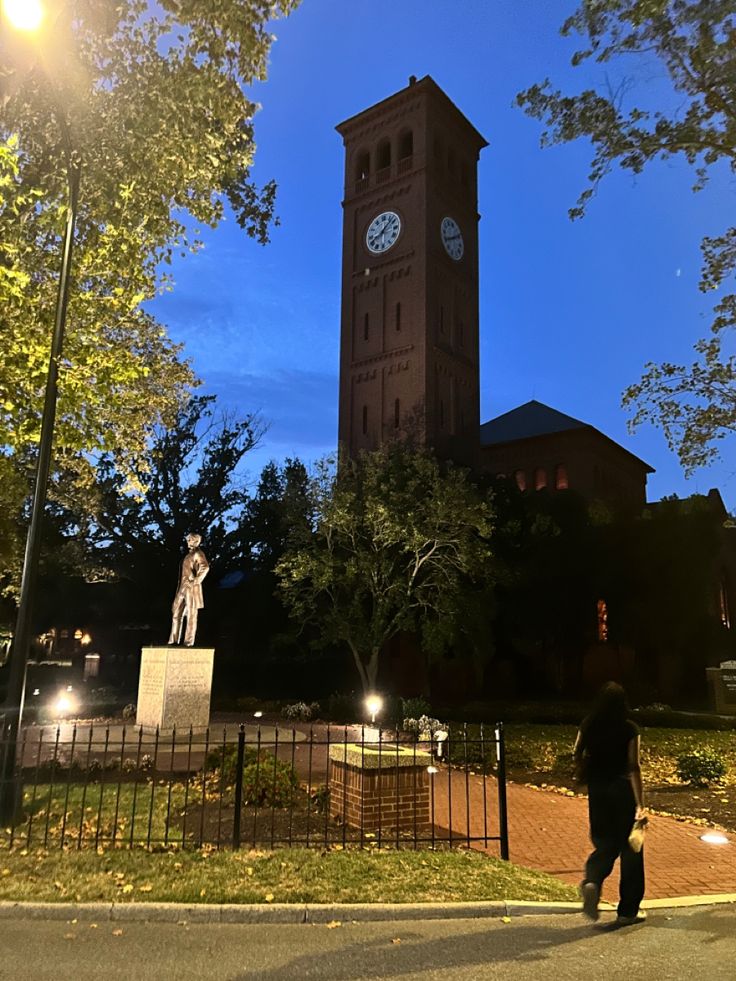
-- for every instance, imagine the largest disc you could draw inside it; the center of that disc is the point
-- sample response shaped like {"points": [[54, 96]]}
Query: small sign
{"points": [[728, 680]]}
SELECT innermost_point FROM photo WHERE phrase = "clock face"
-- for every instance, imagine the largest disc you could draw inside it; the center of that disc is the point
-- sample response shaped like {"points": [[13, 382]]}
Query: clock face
{"points": [[452, 238], [383, 232]]}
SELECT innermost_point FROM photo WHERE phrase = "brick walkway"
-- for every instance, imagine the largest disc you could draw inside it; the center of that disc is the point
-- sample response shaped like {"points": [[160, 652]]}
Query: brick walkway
{"points": [[549, 832]]}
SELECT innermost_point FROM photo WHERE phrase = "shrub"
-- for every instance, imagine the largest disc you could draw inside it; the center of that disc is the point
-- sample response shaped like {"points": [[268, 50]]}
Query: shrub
{"points": [[701, 767], [129, 712], [301, 712], [269, 782], [225, 763], [424, 727], [413, 708]]}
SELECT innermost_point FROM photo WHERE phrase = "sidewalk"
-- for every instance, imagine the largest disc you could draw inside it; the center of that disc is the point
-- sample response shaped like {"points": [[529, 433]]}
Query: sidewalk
{"points": [[549, 831]]}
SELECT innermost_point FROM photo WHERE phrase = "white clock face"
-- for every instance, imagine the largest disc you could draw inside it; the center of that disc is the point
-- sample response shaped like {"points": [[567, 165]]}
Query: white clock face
{"points": [[383, 232], [452, 238]]}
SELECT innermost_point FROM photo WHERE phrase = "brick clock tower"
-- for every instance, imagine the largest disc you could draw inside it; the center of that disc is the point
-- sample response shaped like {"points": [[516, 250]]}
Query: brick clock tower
{"points": [[409, 358]]}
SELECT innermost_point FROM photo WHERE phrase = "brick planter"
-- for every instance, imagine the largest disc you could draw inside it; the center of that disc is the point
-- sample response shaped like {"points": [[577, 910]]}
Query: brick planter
{"points": [[379, 791]]}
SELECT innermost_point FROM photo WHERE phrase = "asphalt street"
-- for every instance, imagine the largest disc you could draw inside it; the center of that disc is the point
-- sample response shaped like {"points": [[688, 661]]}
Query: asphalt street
{"points": [[699, 942]]}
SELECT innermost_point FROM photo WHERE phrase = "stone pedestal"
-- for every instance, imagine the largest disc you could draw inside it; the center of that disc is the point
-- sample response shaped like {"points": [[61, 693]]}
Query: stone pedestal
{"points": [[174, 687], [722, 685], [380, 790]]}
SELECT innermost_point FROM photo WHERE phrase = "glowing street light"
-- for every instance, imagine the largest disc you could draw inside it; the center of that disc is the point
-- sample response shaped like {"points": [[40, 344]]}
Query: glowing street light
{"points": [[714, 838], [24, 15], [373, 704]]}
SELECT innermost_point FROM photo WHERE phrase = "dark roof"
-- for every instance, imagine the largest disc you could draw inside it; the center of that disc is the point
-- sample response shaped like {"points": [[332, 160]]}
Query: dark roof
{"points": [[530, 419], [537, 419]]}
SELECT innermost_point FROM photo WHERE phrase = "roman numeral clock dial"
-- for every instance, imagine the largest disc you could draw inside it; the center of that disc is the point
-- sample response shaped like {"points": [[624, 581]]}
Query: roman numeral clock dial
{"points": [[382, 232], [452, 238]]}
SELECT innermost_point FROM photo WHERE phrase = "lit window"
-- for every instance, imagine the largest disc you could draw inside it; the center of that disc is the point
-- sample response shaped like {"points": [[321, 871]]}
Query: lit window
{"points": [[602, 610], [540, 478], [365, 419], [723, 604], [520, 478], [561, 477], [397, 413]]}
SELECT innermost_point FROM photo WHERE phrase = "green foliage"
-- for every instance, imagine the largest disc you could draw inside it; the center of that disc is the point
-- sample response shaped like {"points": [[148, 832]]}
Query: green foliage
{"points": [[301, 711], [269, 782], [701, 767], [147, 102], [414, 708], [693, 42], [395, 540]]}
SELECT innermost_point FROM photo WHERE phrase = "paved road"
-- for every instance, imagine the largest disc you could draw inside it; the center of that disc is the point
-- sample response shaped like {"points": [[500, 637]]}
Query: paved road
{"points": [[698, 942]]}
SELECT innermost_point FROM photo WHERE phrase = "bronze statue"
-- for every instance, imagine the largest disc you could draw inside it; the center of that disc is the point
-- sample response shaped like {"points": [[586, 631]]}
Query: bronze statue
{"points": [[189, 600]]}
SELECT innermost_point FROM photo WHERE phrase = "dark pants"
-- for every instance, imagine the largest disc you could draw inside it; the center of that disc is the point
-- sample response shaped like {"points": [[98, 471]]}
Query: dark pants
{"points": [[612, 808]]}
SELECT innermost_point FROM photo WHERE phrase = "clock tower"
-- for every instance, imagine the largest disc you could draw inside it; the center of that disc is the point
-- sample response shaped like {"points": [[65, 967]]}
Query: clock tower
{"points": [[409, 357]]}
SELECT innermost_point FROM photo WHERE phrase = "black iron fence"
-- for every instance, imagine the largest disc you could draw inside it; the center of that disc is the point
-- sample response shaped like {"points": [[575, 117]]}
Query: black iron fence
{"points": [[91, 786]]}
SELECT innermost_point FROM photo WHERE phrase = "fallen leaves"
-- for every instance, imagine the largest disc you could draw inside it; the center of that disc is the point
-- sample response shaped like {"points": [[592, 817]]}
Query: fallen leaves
{"points": [[334, 924]]}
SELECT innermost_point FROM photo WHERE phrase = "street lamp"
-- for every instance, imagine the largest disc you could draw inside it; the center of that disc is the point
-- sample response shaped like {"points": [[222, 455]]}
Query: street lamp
{"points": [[27, 16], [24, 15]]}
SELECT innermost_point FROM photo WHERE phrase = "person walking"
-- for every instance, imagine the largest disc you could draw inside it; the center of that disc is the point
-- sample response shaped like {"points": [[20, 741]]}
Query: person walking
{"points": [[607, 759]]}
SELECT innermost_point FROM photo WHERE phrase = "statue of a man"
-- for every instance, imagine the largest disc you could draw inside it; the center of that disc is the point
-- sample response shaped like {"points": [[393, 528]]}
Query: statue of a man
{"points": [[188, 600]]}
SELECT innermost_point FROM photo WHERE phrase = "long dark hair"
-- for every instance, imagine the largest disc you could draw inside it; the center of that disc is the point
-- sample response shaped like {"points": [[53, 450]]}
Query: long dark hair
{"points": [[610, 706]]}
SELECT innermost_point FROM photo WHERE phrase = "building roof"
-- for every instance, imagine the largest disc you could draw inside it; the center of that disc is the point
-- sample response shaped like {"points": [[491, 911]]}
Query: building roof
{"points": [[425, 84], [533, 419]]}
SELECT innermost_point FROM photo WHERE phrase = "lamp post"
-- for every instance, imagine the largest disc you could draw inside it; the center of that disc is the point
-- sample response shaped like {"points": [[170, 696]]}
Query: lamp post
{"points": [[27, 15]]}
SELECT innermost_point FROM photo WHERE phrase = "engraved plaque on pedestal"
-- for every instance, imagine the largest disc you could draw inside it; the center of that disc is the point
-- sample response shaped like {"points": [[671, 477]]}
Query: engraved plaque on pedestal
{"points": [[174, 687]]}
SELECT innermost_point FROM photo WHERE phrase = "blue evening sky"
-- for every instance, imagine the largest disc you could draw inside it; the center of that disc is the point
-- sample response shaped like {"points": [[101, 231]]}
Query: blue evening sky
{"points": [[570, 312]]}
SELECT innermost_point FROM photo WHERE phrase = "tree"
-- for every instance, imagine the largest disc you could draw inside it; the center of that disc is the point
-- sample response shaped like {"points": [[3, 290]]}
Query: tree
{"points": [[149, 100], [394, 540], [695, 42], [192, 484]]}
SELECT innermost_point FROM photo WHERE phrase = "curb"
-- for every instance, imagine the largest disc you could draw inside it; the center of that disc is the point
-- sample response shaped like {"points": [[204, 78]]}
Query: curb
{"points": [[186, 913]]}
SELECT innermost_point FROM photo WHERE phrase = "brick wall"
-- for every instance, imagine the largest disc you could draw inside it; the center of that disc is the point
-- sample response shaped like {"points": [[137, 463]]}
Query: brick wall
{"points": [[380, 800]]}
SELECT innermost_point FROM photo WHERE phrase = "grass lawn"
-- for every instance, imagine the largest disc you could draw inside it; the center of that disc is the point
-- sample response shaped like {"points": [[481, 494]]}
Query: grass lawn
{"points": [[284, 875]]}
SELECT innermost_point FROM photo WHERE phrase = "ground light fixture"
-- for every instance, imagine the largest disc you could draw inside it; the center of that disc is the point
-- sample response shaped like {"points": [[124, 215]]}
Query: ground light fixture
{"points": [[66, 702], [258, 715], [714, 838], [24, 15], [373, 704]]}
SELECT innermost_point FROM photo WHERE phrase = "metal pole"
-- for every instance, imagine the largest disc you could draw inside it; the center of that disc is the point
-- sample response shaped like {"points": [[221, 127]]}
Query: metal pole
{"points": [[9, 785], [503, 819]]}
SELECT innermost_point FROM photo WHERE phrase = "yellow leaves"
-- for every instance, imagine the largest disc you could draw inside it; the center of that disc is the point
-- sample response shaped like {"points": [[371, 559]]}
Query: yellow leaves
{"points": [[6, 872], [117, 933], [396, 940], [334, 924], [269, 897], [145, 888], [505, 919], [249, 870], [202, 892], [127, 888]]}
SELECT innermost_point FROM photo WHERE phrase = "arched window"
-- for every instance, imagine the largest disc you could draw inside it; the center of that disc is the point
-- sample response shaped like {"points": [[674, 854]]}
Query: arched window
{"points": [[365, 420], [397, 413], [363, 166], [406, 144], [561, 482], [540, 478], [383, 155], [366, 323], [398, 316], [602, 612], [520, 478]]}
